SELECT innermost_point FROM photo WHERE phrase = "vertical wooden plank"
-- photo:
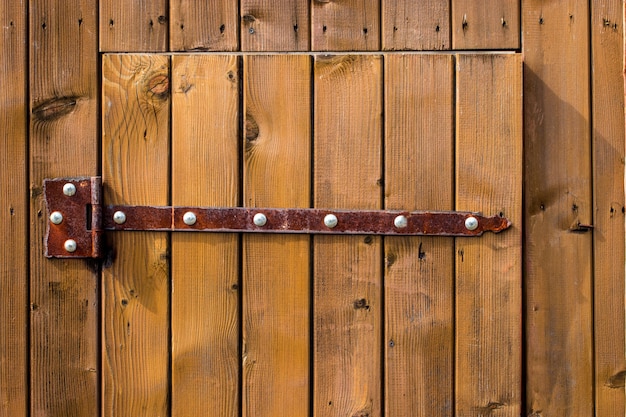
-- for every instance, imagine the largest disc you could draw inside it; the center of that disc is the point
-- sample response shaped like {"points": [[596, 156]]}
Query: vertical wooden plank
{"points": [[493, 24], [133, 26], [204, 26], [608, 184], [205, 274], [411, 25], [135, 280], [347, 300], [350, 25], [419, 275], [14, 208], [489, 269], [63, 142], [558, 251], [270, 25], [276, 271]]}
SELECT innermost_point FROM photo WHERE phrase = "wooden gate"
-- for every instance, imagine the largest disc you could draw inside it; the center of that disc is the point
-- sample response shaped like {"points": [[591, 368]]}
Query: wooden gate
{"points": [[506, 107], [330, 322]]}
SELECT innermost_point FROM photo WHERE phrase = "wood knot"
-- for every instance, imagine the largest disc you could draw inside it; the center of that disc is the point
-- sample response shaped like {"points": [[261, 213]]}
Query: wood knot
{"points": [[159, 86], [252, 129], [361, 303], [55, 108]]}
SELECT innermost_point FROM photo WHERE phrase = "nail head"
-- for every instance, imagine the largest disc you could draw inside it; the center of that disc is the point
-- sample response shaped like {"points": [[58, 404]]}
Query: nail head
{"points": [[260, 219], [70, 245], [69, 189], [401, 222], [330, 221], [189, 218], [56, 217], [119, 217], [471, 223]]}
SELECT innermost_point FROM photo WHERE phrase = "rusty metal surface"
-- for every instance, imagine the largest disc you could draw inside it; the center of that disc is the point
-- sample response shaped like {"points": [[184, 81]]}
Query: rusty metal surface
{"points": [[81, 217], [85, 219]]}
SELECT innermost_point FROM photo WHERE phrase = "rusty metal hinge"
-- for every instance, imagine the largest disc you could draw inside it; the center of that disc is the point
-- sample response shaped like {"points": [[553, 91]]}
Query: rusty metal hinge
{"points": [[78, 219]]}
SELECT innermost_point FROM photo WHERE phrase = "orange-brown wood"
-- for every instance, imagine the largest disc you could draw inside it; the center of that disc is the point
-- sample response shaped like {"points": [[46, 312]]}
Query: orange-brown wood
{"points": [[492, 24], [14, 211], [63, 141], [347, 299], [350, 25], [133, 26], [276, 270], [419, 274], [135, 277], [608, 184], [558, 251], [411, 25], [204, 26], [270, 25], [205, 273], [489, 270]]}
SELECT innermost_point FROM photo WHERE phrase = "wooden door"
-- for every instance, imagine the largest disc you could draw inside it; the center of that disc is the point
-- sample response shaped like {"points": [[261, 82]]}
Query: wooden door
{"points": [[295, 325]]}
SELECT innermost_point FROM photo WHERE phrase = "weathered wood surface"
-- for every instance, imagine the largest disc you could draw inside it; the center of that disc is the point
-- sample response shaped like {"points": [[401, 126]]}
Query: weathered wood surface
{"points": [[135, 278], [411, 25], [205, 271], [419, 271], [351, 25], [276, 269], [491, 24], [607, 36], [193, 26], [134, 26], [63, 85], [558, 205], [271, 25], [347, 299], [14, 347], [489, 270]]}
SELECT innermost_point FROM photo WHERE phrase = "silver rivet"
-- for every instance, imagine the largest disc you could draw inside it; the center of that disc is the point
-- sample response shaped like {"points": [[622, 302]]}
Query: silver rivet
{"points": [[471, 223], [401, 222], [70, 245], [330, 220], [69, 189], [119, 217], [56, 217], [189, 218], [260, 219]]}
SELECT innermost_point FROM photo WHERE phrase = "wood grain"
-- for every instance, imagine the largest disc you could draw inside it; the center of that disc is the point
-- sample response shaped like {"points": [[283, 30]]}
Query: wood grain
{"points": [[607, 34], [347, 299], [14, 211], [558, 257], [135, 278], [489, 269], [63, 84], [350, 25], [271, 25], [493, 24], [419, 274], [133, 26], [204, 26], [205, 272], [411, 25], [276, 270]]}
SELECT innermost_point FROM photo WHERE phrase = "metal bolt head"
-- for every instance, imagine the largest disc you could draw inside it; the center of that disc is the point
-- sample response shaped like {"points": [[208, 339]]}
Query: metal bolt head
{"points": [[330, 221], [471, 223], [401, 222], [259, 219], [70, 245], [189, 218], [56, 217], [69, 189], [119, 217]]}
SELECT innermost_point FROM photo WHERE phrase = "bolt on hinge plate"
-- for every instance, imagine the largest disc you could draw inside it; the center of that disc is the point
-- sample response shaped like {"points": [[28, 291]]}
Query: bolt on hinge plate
{"points": [[77, 220]]}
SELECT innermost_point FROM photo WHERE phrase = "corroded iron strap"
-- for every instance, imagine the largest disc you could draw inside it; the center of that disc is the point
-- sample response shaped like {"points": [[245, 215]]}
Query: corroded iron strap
{"points": [[77, 219]]}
